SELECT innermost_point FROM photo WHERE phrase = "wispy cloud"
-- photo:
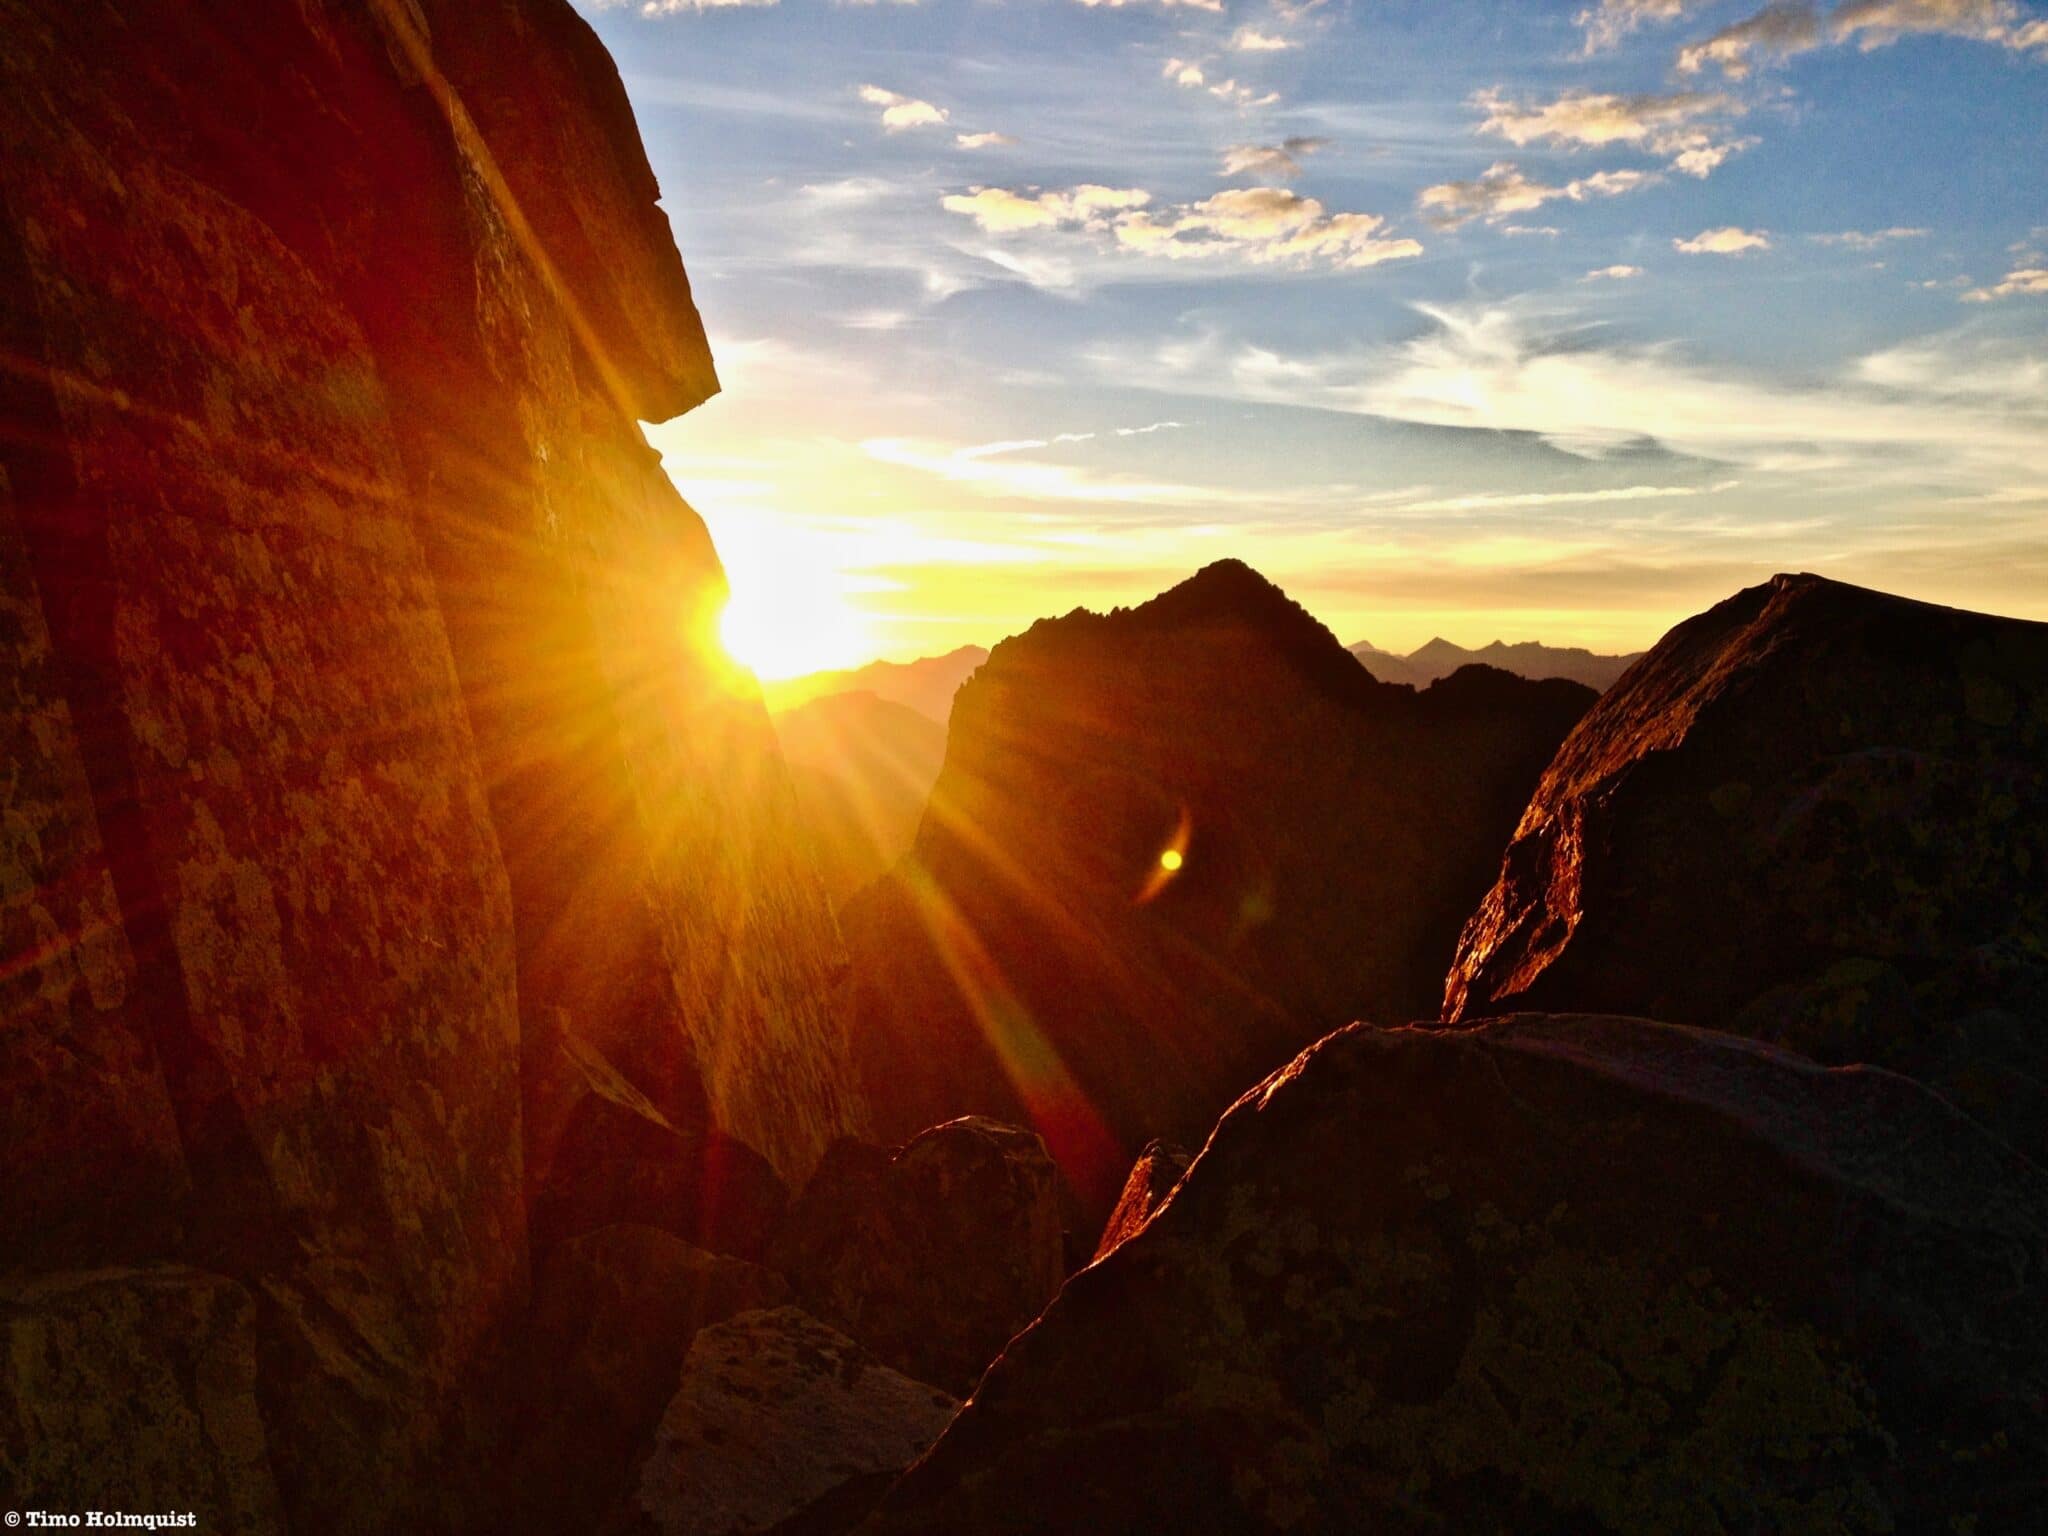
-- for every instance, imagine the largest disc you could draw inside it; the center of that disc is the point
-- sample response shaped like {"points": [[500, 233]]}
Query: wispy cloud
{"points": [[1258, 226], [900, 112], [996, 469], [1193, 74], [1252, 40], [1503, 191], [1966, 412], [1688, 128], [1501, 501], [1215, 6], [1869, 239], [1729, 240], [1264, 226], [988, 139], [1875, 23], [1001, 211], [1620, 272], [1787, 28], [1278, 162], [2031, 281], [1777, 31], [1608, 22]]}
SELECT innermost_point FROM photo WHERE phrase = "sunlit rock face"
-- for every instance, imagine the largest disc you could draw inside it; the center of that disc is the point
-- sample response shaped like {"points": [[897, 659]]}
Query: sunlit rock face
{"points": [[1545, 1273], [362, 707], [1813, 814], [1037, 958]]}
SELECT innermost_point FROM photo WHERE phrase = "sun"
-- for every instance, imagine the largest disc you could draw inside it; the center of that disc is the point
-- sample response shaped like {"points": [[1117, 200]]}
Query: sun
{"points": [[788, 613]]}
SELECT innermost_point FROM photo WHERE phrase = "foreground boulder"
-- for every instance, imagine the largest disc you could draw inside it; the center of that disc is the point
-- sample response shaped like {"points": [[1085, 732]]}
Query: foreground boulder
{"points": [[779, 1423], [1035, 960], [1152, 1178], [1540, 1274], [1816, 815], [932, 1254], [602, 1352]]}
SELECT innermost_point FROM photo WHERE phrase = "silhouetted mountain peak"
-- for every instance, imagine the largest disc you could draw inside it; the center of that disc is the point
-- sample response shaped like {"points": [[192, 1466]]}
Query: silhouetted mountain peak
{"points": [[1226, 593]]}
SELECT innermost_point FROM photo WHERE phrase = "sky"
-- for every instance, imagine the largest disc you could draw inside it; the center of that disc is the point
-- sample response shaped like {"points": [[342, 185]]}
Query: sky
{"points": [[1480, 320]]}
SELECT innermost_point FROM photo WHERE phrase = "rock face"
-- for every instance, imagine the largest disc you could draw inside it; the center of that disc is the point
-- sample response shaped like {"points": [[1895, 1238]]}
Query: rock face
{"points": [[1816, 815], [1034, 960], [932, 1254], [779, 1418], [134, 1389], [1544, 1273], [351, 729], [613, 1315], [1152, 1178]]}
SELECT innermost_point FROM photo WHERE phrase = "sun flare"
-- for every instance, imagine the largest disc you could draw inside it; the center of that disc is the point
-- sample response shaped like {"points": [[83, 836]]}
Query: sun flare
{"points": [[788, 613]]}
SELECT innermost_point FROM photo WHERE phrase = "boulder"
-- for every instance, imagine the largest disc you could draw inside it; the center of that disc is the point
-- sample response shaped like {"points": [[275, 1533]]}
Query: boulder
{"points": [[780, 1423], [1816, 815], [1153, 1177], [1539, 1274], [1034, 959], [134, 1389], [602, 1351], [932, 1254]]}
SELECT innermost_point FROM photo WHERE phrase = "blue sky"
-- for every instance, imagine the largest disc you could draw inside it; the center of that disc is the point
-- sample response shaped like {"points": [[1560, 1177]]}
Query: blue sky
{"points": [[1546, 321]]}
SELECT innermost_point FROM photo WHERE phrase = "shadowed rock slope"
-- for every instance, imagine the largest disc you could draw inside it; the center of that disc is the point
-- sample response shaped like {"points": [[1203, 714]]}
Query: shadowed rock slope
{"points": [[1814, 814], [862, 767], [1541, 1274], [351, 735], [1032, 958]]}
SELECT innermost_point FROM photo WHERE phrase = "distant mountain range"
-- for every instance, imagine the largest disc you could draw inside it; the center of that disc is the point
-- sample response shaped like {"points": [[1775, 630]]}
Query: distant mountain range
{"points": [[1527, 658], [926, 685]]}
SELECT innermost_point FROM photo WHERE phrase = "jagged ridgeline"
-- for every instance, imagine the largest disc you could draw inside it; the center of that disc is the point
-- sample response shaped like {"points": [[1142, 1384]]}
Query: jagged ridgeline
{"points": [[376, 815]]}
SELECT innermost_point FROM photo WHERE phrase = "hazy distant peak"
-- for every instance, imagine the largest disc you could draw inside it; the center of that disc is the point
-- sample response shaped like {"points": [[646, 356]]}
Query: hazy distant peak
{"points": [[1439, 658]]}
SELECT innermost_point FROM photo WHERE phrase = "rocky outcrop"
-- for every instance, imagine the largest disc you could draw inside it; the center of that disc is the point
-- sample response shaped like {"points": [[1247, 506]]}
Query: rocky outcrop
{"points": [[353, 732], [134, 1389], [1152, 1178], [1542, 1273], [1814, 814], [614, 1312], [932, 1254], [1034, 959], [780, 1423]]}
